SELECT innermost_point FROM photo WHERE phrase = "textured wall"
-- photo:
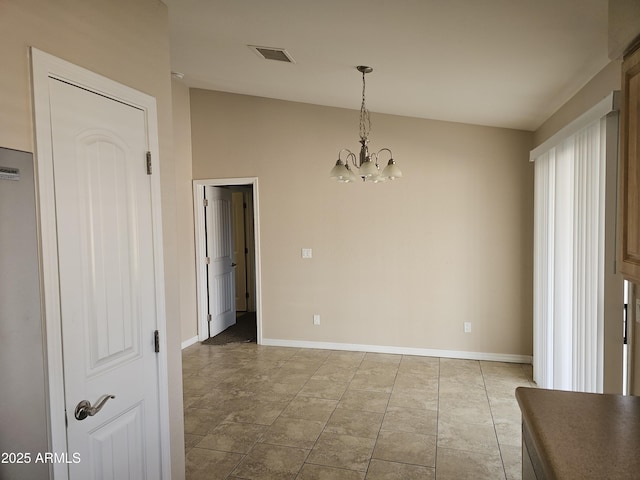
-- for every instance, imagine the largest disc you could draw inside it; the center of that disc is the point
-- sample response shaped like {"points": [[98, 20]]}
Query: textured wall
{"points": [[184, 205], [399, 264], [127, 41]]}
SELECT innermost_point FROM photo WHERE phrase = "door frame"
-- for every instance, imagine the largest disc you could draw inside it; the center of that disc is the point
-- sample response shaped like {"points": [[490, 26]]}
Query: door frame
{"points": [[200, 234], [43, 67], [248, 237]]}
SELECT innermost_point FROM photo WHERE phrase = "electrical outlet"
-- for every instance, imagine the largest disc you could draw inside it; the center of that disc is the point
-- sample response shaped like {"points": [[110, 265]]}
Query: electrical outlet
{"points": [[316, 319], [467, 327], [307, 253]]}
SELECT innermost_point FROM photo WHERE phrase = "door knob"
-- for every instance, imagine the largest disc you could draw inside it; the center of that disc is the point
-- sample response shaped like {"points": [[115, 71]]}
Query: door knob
{"points": [[84, 408], [233, 264]]}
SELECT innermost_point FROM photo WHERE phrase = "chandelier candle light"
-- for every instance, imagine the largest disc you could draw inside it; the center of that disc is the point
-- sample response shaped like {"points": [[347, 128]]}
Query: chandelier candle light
{"points": [[367, 163]]}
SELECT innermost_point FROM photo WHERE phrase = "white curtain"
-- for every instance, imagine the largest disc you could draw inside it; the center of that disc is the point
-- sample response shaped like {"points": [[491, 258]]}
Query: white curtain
{"points": [[569, 249]]}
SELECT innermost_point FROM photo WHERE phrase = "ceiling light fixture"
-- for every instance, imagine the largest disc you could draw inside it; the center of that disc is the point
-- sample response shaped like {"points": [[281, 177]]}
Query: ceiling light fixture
{"points": [[366, 163]]}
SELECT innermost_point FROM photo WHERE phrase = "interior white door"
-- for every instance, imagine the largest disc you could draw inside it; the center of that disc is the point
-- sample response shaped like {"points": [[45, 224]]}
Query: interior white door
{"points": [[107, 287], [220, 270]]}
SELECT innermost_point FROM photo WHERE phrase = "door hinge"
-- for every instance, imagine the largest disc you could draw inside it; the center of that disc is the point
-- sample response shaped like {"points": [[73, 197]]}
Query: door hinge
{"points": [[209, 317], [156, 341], [246, 295], [205, 202], [148, 163], [246, 251], [66, 419], [207, 260], [244, 205]]}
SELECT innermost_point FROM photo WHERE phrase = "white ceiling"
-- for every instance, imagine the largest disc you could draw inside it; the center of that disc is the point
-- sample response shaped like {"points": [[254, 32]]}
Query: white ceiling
{"points": [[505, 63]]}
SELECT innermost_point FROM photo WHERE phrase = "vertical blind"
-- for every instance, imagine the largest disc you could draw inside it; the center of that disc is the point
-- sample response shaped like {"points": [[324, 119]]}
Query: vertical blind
{"points": [[569, 250]]}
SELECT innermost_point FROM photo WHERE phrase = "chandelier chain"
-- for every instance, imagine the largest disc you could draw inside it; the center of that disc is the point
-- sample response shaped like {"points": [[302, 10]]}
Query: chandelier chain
{"points": [[364, 165], [365, 119]]}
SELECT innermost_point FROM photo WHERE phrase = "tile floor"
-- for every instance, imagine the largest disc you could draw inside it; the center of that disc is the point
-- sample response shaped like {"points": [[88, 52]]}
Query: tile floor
{"points": [[257, 412]]}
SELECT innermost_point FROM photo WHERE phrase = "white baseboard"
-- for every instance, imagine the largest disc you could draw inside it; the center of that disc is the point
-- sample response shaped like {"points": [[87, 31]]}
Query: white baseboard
{"points": [[422, 352], [189, 342]]}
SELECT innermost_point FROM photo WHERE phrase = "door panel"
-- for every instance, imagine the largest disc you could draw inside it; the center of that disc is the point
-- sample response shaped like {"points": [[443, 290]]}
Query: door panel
{"points": [[220, 271], [114, 326], [107, 287], [118, 446], [224, 293]]}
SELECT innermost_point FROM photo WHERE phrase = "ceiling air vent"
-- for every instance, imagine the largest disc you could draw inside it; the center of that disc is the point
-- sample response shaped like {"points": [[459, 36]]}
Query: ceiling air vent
{"points": [[269, 53]]}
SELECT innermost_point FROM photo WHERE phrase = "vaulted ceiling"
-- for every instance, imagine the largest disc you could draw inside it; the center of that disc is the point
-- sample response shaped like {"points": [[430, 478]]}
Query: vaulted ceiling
{"points": [[505, 63]]}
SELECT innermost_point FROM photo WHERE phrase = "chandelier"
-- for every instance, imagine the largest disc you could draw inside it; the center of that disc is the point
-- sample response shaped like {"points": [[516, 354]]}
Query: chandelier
{"points": [[366, 164]]}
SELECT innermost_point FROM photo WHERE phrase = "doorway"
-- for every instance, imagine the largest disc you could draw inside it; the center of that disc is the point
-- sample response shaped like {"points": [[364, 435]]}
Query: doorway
{"points": [[244, 247], [218, 226]]}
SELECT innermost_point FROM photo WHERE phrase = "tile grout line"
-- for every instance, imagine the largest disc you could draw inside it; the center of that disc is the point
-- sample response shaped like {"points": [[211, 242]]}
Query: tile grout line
{"points": [[334, 409], [383, 416], [493, 421], [325, 423], [245, 455]]}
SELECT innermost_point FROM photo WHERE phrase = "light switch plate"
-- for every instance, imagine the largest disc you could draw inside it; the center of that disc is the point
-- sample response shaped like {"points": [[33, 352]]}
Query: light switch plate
{"points": [[307, 253]]}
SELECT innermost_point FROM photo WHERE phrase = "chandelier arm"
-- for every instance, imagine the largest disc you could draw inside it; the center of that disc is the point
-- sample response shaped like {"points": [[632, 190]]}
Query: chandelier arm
{"points": [[350, 155], [385, 150], [343, 150], [353, 157]]}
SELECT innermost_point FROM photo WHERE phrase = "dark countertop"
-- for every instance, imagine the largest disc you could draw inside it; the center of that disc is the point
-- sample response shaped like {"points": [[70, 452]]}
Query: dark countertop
{"points": [[582, 435]]}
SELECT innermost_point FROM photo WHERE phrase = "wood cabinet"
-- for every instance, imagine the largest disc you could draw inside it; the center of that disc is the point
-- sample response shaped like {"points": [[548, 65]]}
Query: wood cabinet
{"points": [[629, 204]]}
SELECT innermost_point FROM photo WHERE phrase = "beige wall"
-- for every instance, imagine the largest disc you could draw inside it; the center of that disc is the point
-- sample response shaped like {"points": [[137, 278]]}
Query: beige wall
{"points": [[624, 26], [601, 85], [184, 205], [398, 264], [127, 42]]}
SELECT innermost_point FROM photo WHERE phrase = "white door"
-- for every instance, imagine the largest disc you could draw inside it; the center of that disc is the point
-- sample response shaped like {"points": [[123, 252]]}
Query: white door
{"points": [[220, 270], [107, 287]]}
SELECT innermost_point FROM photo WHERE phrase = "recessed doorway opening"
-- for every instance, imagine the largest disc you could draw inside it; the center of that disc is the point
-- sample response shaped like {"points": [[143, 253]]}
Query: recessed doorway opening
{"points": [[227, 254]]}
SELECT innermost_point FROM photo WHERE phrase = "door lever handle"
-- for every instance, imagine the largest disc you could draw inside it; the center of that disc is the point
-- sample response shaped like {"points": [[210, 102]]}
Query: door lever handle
{"points": [[234, 264], [84, 408]]}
